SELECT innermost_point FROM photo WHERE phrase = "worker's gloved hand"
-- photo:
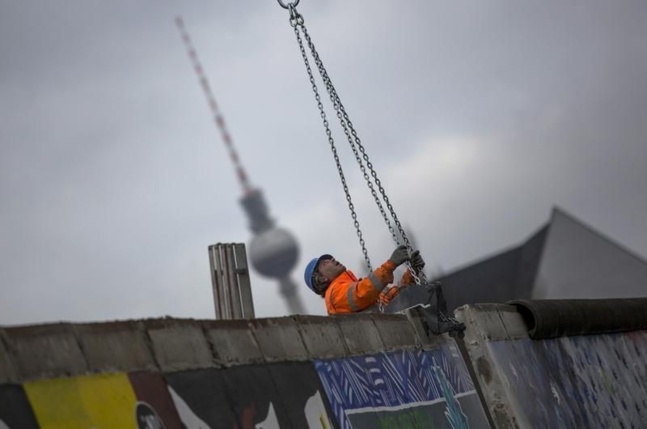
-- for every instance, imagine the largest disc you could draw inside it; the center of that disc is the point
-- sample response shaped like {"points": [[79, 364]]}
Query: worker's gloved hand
{"points": [[400, 255], [417, 263]]}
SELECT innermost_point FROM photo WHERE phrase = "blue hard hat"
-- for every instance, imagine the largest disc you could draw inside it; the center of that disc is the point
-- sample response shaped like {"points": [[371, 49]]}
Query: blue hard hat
{"points": [[310, 270]]}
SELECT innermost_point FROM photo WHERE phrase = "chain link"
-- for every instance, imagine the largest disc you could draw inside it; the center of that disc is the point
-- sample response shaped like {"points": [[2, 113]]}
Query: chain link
{"points": [[361, 156], [355, 143], [331, 142], [339, 109]]}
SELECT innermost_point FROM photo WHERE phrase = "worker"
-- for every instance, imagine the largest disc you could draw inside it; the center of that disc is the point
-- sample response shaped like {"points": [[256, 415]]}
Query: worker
{"points": [[345, 293]]}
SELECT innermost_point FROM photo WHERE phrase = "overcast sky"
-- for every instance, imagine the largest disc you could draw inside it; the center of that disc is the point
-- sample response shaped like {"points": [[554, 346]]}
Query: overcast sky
{"points": [[478, 116]]}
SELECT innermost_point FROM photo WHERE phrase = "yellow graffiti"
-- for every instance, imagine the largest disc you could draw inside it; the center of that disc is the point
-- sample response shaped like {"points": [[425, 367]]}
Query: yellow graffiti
{"points": [[98, 402], [323, 419]]}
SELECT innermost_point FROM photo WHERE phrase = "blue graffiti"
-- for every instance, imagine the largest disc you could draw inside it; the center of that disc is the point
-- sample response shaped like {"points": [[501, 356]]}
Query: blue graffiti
{"points": [[455, 415]]}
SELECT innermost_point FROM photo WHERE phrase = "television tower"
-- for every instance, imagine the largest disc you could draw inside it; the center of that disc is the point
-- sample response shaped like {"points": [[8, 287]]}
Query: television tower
{"points": [[273, 251]]}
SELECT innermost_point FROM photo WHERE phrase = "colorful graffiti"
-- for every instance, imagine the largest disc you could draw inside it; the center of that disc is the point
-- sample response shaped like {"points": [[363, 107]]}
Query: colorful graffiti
{"points": [[273, 396], [411, 389], [15, 411], [135, 400], [576, 382], [285, 395]]}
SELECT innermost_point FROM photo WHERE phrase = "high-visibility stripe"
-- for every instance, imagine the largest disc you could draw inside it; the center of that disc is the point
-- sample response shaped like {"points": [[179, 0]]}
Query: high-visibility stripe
{"points": [[376, 282], [350, 295]]}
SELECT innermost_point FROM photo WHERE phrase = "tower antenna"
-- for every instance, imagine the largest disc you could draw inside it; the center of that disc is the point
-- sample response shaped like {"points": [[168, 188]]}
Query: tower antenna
{"points": [[273, 251], [213, 106]]}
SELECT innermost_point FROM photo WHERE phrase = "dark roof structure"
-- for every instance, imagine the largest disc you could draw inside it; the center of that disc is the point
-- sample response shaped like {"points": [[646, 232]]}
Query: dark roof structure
{"points": [[564, 259]]}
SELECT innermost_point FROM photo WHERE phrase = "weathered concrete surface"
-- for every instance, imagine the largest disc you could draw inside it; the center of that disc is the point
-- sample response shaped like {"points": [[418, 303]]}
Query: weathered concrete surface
{"points": [[513, 323], [568, 382], [7, 372], [44, 351], [360, 333], [485, 323], [232, 342], [396, 332], [323, 339], [279, 339], [264, 372], [179, 344], [115, 346], [586, 381], [63, 349], [493, 322]]}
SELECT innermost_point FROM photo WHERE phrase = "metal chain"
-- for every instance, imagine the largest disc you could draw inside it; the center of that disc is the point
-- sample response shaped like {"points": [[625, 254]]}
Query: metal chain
{"points": [[296, 20], [356, 143], [339, 109]]}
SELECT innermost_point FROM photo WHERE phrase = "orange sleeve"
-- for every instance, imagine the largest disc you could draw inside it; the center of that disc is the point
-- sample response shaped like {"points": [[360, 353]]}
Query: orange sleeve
{"points": [[351, 297]]}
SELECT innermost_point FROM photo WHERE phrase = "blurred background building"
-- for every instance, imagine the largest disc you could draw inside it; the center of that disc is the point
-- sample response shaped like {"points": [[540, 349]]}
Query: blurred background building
{"points": [[564, 259]]}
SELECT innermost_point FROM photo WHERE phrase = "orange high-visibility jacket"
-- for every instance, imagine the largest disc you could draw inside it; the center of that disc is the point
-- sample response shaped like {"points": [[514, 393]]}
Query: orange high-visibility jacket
{"points": [[348, 294]]}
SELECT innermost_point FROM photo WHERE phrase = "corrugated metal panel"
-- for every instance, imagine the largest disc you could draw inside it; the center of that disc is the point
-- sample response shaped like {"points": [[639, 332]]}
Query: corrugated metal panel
{"points": [[232, 292]]}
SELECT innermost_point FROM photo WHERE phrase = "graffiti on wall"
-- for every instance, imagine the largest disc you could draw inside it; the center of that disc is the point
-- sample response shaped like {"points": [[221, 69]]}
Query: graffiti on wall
{"points": [[15, 411], [410, 389], [137, 400], [275, 396], [407, 389], [272, 396], [575, 382]]}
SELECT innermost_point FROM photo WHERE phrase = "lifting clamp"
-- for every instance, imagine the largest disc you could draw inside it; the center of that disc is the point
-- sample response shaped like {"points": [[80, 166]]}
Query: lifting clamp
{"points": [[428, 298]]}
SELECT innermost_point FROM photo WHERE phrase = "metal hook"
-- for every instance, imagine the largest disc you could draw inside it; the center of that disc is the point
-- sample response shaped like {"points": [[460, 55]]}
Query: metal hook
{"points": [[287, 6]]}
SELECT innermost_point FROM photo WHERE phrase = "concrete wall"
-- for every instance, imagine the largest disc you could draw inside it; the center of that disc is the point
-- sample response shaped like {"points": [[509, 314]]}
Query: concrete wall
{"points": [[300, 372], [359, 371], [570, 382]]}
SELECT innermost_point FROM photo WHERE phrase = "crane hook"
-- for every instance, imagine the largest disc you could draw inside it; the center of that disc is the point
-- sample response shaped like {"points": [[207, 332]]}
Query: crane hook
{"points": [[287, 6]]}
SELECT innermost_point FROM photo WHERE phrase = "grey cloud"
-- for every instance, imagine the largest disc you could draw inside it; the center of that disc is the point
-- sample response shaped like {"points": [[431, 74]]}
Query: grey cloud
{"points": [[113, 180]]}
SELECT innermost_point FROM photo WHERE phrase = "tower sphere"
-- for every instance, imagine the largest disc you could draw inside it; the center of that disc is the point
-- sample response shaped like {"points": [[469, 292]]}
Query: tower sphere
{"points": [[274, 252]]}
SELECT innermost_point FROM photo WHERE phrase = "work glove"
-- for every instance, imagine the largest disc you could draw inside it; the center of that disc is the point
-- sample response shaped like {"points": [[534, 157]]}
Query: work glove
{"points": [[400, 255], [417, 263]]}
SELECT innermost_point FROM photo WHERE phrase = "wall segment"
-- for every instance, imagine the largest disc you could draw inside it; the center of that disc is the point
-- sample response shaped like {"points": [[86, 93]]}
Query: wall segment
{"points": [[293, 372], [581, 381], [358, 371]]}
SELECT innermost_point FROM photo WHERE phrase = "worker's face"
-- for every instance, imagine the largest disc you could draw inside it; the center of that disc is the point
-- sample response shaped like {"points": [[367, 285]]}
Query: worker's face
{"points": [[330, 268]]}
